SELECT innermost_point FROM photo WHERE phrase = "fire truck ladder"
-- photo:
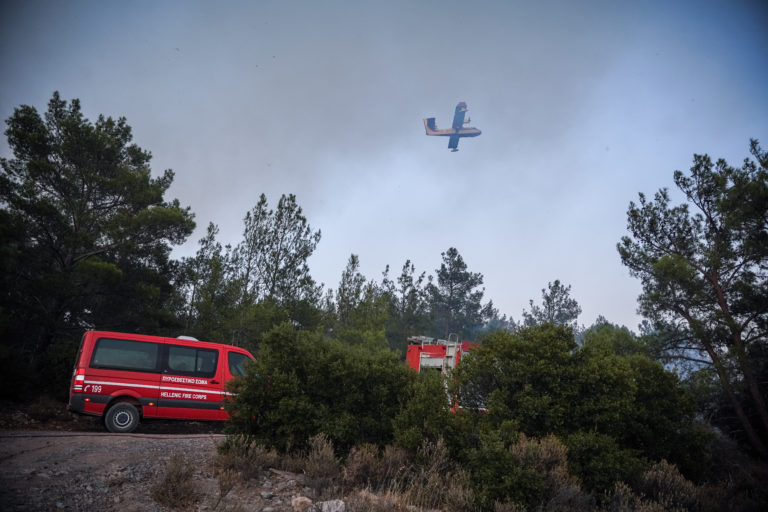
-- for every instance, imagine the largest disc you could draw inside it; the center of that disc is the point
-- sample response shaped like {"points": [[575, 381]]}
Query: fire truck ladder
{"points": [[451, 351]]}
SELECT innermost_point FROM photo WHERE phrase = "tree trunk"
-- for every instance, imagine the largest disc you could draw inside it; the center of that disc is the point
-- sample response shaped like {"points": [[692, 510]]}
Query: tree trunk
{"points": [[752, 435]]}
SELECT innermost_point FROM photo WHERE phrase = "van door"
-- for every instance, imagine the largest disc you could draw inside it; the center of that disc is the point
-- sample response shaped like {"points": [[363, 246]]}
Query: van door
{"points": [[191, 384]]}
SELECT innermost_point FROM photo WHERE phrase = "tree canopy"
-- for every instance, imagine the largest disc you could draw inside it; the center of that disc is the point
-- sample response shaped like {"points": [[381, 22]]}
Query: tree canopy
{"points": [[456, 298], [87, 231], [703, 265], [557, 307]]}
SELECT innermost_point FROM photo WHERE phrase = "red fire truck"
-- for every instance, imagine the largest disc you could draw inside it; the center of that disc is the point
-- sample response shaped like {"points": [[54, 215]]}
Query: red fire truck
{"points": [[125, 377], [425, 353], [436, 354]]}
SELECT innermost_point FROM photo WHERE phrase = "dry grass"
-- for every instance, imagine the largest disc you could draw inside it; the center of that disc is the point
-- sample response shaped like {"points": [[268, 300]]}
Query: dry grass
{"points": [[376, 480], [436, 483], [508, 507], [322, 468], [379, 471], [227, 479], [364, 500], [175, 489], [548, 457], [239, 454], [664, 484], [661, 488]]}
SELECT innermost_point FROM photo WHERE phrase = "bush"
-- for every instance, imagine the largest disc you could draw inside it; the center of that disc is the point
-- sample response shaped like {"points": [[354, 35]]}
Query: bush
{"points": [[303, 385], [426, 414], [321, 466], [622, 499], [664, 484], [539, 382], [436, 481], [362, 467], [241, 454], [528, 473], [599, 462], [661, 488], [175, 490]]}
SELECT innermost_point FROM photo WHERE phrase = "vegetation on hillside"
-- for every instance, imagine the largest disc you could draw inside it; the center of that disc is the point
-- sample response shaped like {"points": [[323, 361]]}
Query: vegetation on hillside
{"points": [[552, 414]]}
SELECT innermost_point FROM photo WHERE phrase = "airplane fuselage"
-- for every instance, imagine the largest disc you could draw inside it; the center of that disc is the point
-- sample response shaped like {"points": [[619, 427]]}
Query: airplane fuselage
{"points": [[449, 132]]}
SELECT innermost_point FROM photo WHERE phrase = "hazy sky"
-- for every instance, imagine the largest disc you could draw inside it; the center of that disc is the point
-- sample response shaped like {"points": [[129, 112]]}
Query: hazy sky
{"points": [[582, 105]]}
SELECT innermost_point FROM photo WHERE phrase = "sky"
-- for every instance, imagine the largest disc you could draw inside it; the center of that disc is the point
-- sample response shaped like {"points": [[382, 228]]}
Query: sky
{"points": [[582, 106]]}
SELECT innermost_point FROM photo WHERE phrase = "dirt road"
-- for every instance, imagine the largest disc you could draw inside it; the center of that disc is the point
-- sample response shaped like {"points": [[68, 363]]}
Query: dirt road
{"points": [[41, 470]]}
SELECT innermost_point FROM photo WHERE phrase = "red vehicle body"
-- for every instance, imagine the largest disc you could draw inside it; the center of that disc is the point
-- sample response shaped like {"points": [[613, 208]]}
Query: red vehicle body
{"points": [[125, 377], [431, 353], [425, 353]]}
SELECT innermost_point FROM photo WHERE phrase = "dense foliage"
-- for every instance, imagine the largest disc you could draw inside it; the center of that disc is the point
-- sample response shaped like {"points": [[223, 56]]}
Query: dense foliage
{"points": [[86, 237], [603, 405], [600, 413], [303, 384]]}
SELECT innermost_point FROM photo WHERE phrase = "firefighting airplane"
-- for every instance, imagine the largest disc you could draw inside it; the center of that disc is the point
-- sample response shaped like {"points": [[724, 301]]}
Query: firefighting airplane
{"points": [[456, 131]]}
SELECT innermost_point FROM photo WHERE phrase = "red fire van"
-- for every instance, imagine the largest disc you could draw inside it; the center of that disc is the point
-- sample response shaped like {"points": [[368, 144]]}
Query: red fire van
{"points": [[125, 377]]}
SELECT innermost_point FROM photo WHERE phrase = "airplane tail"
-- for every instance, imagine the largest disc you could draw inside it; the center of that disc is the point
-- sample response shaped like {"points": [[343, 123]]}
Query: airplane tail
{"points": [[430, 126]]}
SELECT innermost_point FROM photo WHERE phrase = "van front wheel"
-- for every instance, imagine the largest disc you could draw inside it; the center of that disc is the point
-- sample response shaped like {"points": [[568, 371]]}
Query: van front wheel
{"points": [[122, 418]]}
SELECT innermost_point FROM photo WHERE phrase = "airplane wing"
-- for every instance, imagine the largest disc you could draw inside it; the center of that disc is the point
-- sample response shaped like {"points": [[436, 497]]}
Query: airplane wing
{"points": [[453, 142], [458, 116]]}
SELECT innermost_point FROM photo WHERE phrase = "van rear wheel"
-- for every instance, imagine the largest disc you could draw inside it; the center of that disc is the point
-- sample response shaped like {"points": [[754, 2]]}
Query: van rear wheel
{"points": [[122, 418]]}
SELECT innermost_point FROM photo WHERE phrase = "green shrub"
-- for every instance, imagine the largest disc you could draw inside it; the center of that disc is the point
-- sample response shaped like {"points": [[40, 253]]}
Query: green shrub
{"points": [[426, 414], [539, 382], [527, 474], [303, 385], [599, 462]]}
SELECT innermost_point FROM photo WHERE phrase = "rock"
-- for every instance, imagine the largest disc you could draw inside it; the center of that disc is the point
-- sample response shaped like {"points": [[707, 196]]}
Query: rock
{"points": [[330, 506], [285, 485], [267, 495], [301, 504]]}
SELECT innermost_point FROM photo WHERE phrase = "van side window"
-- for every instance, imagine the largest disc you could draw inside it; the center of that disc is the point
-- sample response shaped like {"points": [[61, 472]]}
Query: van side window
{"points": [[125, 355], [236, 362], [197, 362]]}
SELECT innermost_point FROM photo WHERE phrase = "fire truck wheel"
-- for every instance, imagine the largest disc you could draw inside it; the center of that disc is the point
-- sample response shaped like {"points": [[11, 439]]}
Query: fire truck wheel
{"points": [[122, 418]]}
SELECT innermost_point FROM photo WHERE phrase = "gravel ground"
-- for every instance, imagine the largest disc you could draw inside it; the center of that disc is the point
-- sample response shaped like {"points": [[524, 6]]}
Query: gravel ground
{"points": [[54, 460], [46, 470]]}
